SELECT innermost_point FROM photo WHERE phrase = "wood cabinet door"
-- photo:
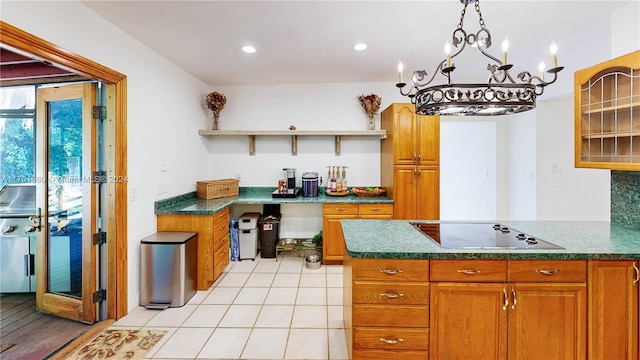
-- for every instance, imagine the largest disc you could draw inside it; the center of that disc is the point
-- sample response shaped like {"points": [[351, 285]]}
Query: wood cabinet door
{"points": [[547, 321], [405, 137], [613, 310], [428, 140], [332, 238], [404, 183], [468, 321], [427, 193]]}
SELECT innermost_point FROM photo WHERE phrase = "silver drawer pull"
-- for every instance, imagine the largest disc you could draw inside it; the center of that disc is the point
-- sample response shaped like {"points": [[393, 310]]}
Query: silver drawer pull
{"points": [[391, 271], [547, 272], [637, 279], [375, 209], [469, 271], [391, 296], [341, 209], [391, 341]]}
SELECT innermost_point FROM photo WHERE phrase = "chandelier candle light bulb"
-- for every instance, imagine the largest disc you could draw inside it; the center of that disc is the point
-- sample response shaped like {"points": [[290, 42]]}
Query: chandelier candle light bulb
{"points": [[400, 70], [447, 51], [541, 68], [505, 48], [553, 49]]}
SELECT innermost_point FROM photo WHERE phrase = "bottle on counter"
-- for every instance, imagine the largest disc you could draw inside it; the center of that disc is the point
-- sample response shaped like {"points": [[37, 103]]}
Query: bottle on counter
{"points": [[333, 180], [344, 179]]}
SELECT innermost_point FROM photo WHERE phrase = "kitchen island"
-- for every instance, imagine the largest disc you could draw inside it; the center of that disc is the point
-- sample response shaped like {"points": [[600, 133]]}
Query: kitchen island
{"points": [[407, 297]]}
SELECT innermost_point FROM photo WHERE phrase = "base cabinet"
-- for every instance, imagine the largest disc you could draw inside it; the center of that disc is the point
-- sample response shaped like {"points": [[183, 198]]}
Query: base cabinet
{"points": [[542, 302], [332, 238], [614, 289], [213, 241], [387, 308]]}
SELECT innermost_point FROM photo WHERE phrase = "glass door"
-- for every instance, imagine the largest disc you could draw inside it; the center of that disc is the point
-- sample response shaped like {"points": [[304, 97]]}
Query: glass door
{"points": [[67, 198]]}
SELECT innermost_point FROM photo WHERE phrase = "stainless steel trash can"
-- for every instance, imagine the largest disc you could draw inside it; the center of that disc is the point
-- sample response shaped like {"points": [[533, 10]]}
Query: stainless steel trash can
{"points": [[168, 269]]}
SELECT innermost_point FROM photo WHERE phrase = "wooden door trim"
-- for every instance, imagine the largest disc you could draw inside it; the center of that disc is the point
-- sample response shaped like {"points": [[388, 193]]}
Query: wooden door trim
{"points": [[117, 287]]}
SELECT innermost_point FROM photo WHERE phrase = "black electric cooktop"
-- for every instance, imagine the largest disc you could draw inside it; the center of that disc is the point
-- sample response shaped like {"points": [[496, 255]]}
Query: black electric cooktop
{"points": [[480, 236]]}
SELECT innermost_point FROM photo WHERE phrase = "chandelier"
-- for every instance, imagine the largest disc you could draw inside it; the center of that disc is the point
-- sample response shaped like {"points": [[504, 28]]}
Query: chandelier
{"points": [[500, 95]]}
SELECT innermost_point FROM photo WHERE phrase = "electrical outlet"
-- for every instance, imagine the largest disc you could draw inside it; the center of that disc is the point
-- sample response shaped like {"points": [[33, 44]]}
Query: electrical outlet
{"points": [[238, 176], [163, 166], [554, 168]]}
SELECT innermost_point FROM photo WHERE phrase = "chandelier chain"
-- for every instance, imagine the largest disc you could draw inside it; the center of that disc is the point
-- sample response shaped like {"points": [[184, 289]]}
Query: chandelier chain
{"points": [[479, 14], [461, 23]]}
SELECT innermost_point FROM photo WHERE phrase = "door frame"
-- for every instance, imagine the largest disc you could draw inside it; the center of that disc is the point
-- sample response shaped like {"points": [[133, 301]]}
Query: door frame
{"points": [[116, 156]]}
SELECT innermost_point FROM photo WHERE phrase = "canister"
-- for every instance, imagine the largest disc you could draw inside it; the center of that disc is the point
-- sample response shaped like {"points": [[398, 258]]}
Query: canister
{"points": [[310, 184]]}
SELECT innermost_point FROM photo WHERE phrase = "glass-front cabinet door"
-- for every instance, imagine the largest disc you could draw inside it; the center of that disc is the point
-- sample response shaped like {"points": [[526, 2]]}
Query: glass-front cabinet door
{"points": [[607, 114]]}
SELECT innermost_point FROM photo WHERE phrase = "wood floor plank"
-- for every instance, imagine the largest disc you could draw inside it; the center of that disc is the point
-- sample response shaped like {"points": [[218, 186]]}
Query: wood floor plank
{"points": [[36, 335]]}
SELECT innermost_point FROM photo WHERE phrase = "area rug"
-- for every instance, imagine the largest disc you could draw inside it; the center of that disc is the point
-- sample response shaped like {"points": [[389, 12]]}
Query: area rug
{"points": [[4, 347], [119, 344]]}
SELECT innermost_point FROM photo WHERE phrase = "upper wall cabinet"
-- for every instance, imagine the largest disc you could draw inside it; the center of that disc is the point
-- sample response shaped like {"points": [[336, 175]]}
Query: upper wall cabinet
{"points": [[607, 114]]}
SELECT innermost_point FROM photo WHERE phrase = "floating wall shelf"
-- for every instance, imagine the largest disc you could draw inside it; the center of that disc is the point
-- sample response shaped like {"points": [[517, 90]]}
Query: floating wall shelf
{"points": [[251, 134]]}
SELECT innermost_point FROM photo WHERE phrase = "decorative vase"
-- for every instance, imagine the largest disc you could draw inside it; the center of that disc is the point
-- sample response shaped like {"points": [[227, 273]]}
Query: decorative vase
{"points": [[216, 121], [371, 123]]}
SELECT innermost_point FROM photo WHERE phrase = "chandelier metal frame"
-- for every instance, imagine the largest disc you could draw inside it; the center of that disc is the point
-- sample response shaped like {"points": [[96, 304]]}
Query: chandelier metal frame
{"points": [[501, 95]]}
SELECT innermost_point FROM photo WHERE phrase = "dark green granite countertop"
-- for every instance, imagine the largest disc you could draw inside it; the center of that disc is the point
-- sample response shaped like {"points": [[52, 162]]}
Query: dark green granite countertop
{"points": [[587, 240], [190, 204]]}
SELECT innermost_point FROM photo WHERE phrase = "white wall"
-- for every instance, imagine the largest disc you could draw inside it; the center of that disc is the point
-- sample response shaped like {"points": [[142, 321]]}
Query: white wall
{"points": [[308, 107], [468, 170], [563, 191], [164, 108]]}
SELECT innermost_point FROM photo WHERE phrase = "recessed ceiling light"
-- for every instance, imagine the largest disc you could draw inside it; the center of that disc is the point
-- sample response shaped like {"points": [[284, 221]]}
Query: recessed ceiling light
{"points": [[359, 46], [249, 49]]}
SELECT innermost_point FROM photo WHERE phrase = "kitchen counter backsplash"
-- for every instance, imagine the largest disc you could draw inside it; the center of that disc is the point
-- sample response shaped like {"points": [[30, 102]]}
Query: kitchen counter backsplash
{"points": [[189, 203], [625, 199]]}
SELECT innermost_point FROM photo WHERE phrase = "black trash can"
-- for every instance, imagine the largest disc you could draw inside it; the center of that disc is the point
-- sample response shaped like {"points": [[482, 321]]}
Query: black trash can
{"points": [[269, 226]]}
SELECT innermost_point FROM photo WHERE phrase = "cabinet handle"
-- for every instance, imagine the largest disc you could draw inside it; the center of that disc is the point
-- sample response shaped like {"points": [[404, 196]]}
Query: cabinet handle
{"points": [[391, 341], [515, 301], [341, 209], [547, 272], [414, 156], [419, 171], [391, 271], [506, 298], [375, 209], [391, 296], [469, 271], [419, 157], [637, 279]]}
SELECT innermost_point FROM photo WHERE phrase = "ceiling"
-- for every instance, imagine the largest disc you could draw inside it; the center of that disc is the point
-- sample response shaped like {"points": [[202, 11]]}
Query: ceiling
{"points": [[312, 41], [22, 69]]}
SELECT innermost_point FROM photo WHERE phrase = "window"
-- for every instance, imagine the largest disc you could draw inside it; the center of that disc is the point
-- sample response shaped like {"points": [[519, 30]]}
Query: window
{"points": [[17, 134]]}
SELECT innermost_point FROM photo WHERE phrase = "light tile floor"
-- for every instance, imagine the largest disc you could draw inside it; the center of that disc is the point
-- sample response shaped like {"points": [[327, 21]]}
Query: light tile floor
{"points": [[259, 309]]}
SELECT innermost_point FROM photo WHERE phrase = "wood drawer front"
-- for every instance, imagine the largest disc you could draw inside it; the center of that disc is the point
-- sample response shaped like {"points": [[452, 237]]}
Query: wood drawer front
{"points": [[340, 209], [547, 270], [220, 241], [386, 355], [390, 270], [390, 293], [391, 315], [375, 209], [469, 270], [391, 338], [221, 216], [219, 266], [221, 254], [220, 229]]}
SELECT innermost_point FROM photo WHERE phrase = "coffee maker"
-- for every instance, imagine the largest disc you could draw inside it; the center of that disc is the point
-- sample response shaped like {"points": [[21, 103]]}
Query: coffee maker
{"points": [[289, 190]]}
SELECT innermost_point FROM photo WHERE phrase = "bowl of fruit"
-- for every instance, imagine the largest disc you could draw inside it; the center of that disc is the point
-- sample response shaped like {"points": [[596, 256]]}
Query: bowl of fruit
{"points": [[368, 191]]}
